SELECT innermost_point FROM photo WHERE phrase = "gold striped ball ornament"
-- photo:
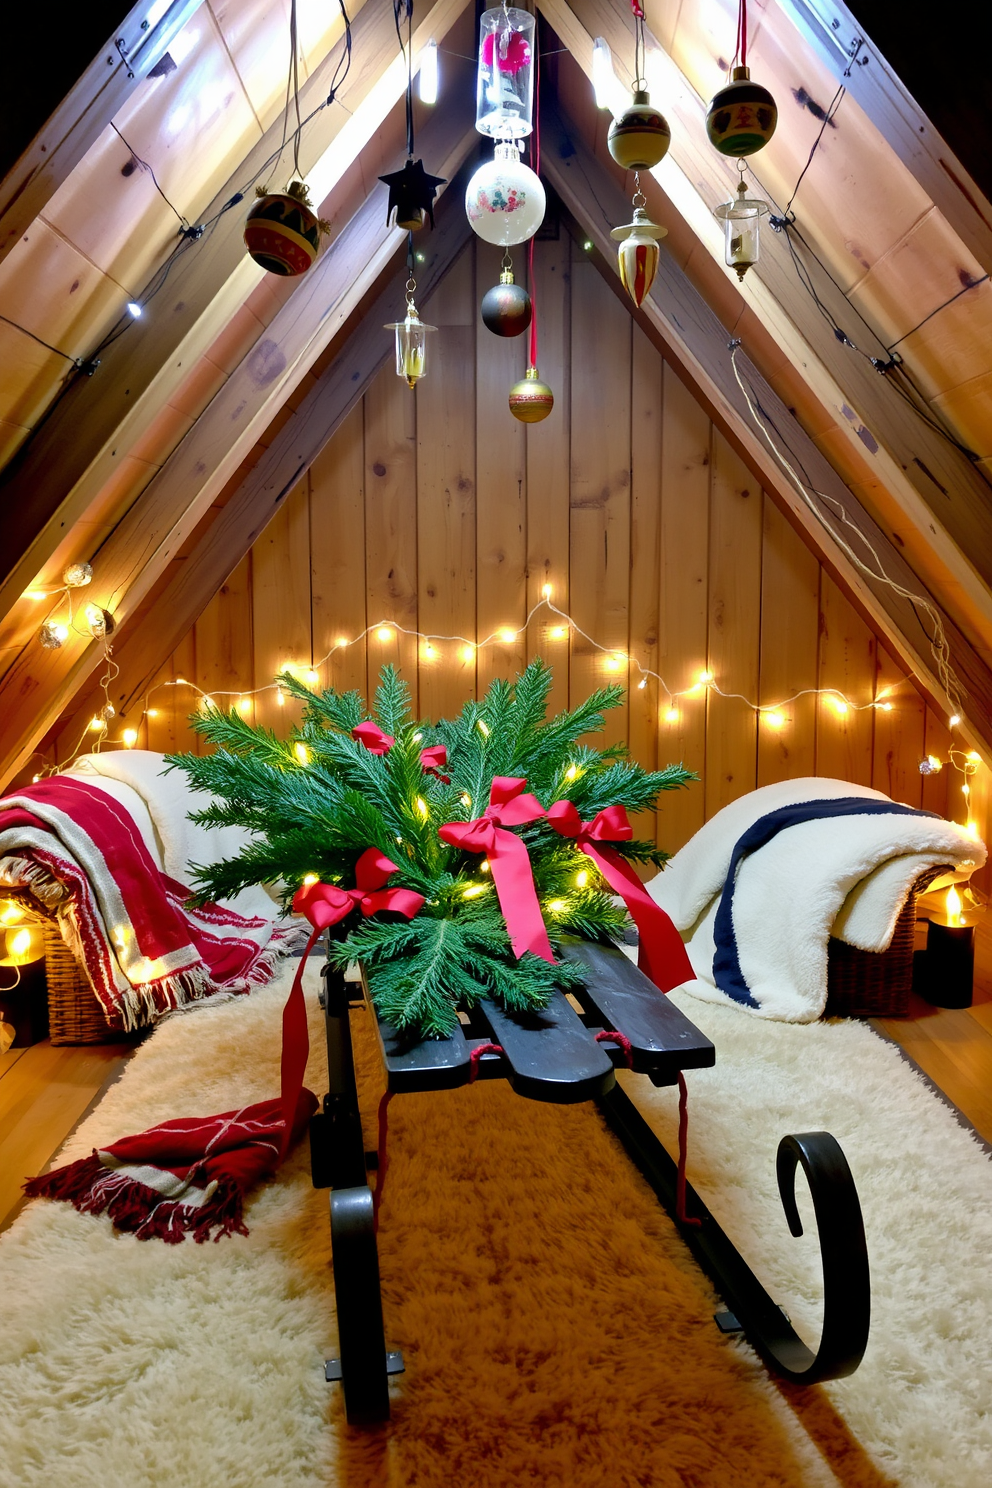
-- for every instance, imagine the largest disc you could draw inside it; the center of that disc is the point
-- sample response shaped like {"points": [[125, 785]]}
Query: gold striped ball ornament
{"points": [[640, 137], [531, 400], [742, 117]]}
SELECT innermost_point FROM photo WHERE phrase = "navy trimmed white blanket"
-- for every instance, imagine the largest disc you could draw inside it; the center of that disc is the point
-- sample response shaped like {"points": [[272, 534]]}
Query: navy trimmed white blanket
{"points": [[760, 889]]}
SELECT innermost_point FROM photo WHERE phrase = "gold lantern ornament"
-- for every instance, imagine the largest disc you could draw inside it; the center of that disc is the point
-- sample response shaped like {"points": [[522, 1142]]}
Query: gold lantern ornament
{"points": [[411, 340], [638, 253], [741, 218], [531, 400]]}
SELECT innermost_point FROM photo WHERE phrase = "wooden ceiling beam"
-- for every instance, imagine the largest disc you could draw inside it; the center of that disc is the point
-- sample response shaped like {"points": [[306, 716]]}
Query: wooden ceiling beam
{"points": [[941, 500], [839, 40], [255, 502], [40, 684], [680, 322], [137, 45], [60, 471]]}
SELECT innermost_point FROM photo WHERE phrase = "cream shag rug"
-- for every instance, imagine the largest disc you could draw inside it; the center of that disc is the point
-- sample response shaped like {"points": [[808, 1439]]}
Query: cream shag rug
{"points": [[554, 1328]]}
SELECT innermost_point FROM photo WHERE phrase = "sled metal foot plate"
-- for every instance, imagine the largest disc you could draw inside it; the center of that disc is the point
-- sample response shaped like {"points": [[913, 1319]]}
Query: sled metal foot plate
{"points": [[725, 1321], [333, 1369]]}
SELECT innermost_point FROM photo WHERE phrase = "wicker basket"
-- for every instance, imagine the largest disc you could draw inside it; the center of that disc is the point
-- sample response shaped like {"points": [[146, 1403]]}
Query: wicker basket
{"points": [[74, 1012], [873, 984]]}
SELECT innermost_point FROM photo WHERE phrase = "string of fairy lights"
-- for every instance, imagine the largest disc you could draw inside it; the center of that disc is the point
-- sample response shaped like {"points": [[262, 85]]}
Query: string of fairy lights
{"points": [[560, 626]]}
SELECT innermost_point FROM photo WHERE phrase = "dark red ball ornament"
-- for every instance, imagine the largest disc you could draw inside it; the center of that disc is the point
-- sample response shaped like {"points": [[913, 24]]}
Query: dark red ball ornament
{"points": [[506, 308]]}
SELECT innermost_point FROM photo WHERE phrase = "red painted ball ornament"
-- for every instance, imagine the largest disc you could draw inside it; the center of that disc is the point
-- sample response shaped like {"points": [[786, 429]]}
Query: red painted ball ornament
{"points": [[282, 231], [506, 308], [640, 137], [531, 400], [742, 117]]}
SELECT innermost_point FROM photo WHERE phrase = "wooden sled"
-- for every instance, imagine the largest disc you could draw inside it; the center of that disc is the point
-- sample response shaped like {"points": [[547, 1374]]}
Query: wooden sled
{"points": [[554, 1056]]}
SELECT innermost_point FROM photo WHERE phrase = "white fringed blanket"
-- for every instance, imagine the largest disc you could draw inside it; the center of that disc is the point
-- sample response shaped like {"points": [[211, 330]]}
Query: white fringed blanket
{"points": [[107, 847], [846, 875]]}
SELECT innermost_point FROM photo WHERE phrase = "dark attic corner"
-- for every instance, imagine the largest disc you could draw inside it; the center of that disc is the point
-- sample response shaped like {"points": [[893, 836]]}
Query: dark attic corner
{"points": [[495, 732]]}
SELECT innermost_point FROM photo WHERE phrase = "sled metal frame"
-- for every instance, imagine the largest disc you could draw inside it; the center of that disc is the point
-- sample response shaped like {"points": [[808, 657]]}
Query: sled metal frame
{"points": [[554, 1056]]}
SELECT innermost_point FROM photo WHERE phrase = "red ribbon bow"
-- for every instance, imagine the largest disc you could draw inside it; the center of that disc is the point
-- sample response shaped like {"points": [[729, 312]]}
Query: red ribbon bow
{"points": [[661, 954], [509, 806], [371, 735], [433, 758], [326, 904]]}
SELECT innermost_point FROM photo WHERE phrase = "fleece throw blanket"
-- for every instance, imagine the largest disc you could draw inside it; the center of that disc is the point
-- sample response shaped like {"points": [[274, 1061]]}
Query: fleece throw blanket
{"points": [[844, 874], [96, 857]]}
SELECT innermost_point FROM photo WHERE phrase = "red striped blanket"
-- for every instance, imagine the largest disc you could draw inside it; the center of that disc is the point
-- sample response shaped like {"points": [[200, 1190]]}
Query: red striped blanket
{"points": [[78, 850]]}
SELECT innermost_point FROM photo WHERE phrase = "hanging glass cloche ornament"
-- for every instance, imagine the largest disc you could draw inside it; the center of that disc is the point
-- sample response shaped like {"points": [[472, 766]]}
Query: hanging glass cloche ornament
{"points": [[504, 98], [741, 217], [506, 308], [531, 400], [505, 200], [411, 340], [638, 253]]}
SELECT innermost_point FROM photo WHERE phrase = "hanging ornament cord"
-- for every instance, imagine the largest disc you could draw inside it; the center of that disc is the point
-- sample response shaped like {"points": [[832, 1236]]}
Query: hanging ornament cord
{"points": [[640, 82], [403, 10], [740, 55], [535, 161]]}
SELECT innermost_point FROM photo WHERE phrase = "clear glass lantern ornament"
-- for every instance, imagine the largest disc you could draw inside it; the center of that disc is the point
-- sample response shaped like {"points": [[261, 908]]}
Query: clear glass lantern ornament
{"points": [[741, 218], [505, 200], [411, 341], [504, 100]]}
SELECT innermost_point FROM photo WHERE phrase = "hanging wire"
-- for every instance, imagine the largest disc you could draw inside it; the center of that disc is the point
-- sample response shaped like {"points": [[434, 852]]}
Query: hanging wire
{"points": [[190, 235], [146, 167], [403, 11], [828, 119], [966, 290], [535, 162]]}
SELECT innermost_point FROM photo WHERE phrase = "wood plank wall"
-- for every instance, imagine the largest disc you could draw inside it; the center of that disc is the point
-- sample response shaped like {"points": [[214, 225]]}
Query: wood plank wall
{"points": [[438, 512]]}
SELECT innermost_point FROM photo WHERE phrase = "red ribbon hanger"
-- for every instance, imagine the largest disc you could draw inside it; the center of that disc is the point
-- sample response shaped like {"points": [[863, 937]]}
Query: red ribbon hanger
{"points": [[661, 954], [509, 806]]}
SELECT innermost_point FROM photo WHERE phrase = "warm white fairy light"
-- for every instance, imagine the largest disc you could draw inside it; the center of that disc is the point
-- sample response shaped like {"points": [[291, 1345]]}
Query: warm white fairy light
{"points": [[422, 810], [581, 878], [129, 738], [302, 752], [954, 720], [506, 634], [672, 714]]}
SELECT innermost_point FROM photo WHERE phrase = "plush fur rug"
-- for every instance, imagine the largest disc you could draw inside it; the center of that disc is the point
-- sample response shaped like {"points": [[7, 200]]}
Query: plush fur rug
{"points": [[555, 1331]]}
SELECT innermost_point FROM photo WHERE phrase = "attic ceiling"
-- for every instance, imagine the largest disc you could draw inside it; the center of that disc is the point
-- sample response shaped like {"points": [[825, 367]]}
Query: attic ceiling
{"points": [[125, 467]]}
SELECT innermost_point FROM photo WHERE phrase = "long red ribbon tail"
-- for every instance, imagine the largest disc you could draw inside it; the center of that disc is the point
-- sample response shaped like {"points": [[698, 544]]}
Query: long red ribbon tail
{"points": [[295, 1048], [513, 876], [661, 954]]}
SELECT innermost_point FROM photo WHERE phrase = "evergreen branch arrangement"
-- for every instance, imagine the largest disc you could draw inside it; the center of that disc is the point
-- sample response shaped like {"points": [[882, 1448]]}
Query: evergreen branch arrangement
{"points": [[318, 800]]}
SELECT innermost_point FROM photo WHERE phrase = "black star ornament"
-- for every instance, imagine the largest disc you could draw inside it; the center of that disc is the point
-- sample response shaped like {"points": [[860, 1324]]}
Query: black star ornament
{"points": [[411, 192]]}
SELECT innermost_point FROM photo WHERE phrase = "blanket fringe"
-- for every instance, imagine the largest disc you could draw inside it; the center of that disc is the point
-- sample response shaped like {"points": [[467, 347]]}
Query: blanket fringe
{"points": [[139, 1210]]}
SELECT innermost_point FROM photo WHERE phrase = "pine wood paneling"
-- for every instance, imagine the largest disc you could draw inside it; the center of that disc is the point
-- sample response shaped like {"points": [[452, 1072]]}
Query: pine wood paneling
{"points": [[599, 528], [391, 526], [847, 662], [501, 494], [446, 496], [435, 510], [337, 555], [281, 605], [734, 627], [549, 463], [684, 579], [647, 409], [790, 604]]}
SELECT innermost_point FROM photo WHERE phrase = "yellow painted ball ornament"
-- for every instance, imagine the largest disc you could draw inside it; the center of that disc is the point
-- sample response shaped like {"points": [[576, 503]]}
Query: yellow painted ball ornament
{"points": [[640, 137], [531, 400]]}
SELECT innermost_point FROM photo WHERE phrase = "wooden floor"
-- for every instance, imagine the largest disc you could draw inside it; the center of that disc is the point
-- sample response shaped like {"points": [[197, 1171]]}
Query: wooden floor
{"points": [[45, 1092], [954, 1045]]}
